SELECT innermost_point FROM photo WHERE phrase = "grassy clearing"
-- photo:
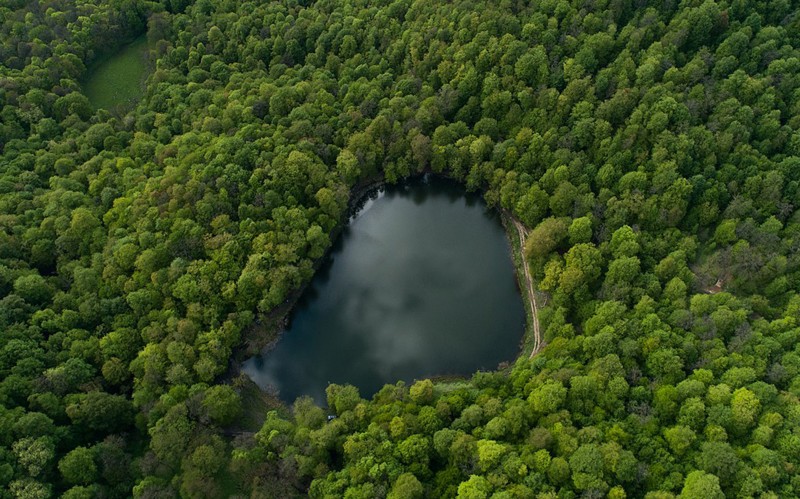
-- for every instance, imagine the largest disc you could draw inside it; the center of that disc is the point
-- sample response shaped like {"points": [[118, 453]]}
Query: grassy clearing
{"points": [[117, 82]]}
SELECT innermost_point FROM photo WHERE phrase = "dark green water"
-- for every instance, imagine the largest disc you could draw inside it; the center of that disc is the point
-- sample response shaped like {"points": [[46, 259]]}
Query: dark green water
{"points": [[419, 284], [118, 81]]}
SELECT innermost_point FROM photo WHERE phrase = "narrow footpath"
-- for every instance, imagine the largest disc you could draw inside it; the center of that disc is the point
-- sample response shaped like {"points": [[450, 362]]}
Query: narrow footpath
{"points": [[537, 336]]}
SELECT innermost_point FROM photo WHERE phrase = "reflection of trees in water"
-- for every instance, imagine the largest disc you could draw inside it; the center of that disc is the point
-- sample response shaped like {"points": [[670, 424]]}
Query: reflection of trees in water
{"points": [[407, 299]]}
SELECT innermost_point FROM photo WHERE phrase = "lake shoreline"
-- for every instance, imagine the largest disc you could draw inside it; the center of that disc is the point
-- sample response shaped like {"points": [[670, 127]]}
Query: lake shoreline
{"points": [[267, 330]]}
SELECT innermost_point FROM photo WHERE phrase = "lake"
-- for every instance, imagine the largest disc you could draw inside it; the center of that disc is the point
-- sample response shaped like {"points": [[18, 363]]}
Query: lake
{"points": [[118, 79], [420, 283]]}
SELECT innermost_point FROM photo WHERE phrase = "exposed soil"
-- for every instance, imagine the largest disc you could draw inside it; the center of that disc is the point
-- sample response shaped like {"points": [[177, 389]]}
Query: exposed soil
{"points": [[537, 336]]}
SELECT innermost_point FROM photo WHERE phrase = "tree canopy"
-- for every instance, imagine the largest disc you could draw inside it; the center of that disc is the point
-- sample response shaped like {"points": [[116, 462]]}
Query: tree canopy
{"points": [[652, 149]]}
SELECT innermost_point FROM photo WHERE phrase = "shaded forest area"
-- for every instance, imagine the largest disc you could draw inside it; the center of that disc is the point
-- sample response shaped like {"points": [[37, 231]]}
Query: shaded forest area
{"points": [[653, 149]]}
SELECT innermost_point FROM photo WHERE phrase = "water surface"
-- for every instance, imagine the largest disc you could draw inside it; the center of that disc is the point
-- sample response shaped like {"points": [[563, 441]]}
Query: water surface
{"points": [[420, 283]]}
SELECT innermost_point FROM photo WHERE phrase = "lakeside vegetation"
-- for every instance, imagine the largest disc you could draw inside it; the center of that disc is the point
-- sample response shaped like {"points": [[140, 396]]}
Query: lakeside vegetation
{"points": [[652, 149], [420, 283]]}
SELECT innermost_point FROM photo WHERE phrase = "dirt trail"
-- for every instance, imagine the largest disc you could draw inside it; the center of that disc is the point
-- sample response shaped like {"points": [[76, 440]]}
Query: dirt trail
{"points": [[537, 336]]}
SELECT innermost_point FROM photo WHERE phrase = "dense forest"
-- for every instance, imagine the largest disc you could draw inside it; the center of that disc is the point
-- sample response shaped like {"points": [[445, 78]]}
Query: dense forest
{"points": [[652, 147]]}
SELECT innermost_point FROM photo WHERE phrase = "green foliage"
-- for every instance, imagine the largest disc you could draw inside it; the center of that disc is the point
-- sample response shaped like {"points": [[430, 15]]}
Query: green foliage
{"points": [[699, 484], [406, 486], [33, 288], [580, 230], [222, 404], [342, 398], [421, 392], [546, 237], [476, 487], [78, 467], [34, 455], [651, 149]]}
